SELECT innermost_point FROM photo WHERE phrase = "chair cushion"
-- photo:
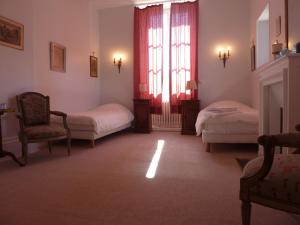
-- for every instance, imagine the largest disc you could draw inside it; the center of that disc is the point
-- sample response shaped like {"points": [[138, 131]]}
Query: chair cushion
{"points": [[45, 131], [282, 182]]}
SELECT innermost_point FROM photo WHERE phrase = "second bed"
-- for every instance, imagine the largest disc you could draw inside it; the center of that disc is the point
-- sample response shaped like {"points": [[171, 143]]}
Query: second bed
{"points": [[227, 122]]}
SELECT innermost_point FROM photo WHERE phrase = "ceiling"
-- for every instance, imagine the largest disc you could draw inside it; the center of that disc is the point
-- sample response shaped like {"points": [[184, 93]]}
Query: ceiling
{"points": [[101, 4]]}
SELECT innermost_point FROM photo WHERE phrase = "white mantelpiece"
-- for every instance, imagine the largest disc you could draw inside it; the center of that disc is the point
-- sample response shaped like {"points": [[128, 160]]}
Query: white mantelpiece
{"points": [[281, 75]]}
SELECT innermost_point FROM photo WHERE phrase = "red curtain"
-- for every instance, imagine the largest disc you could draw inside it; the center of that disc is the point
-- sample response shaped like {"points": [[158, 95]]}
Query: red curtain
{"points": [[183, 52], [148, 52]]}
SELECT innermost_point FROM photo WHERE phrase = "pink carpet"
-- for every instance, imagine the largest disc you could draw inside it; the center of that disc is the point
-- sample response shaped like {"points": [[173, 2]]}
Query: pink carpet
{"points": [[106, 185]]}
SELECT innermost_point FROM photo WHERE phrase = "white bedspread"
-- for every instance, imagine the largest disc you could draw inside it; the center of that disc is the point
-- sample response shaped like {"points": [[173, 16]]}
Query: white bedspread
{"points": [[101, 119], [225, 112]]}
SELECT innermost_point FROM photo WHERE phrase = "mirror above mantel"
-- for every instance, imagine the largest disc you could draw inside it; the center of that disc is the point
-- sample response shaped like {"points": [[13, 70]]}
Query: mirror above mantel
{"points": [[292, 23]]}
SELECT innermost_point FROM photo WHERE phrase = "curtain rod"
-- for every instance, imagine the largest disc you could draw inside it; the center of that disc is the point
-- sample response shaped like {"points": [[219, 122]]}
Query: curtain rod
{"points": [[141, 3]]}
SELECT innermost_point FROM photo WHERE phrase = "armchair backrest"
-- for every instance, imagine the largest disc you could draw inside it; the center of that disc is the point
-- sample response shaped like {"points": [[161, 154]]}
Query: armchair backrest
{"points": [[34, 108]]}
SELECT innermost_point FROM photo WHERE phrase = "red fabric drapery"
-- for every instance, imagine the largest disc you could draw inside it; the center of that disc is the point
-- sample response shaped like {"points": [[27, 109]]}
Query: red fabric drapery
{"points": [[183, 52], [148, 51]]}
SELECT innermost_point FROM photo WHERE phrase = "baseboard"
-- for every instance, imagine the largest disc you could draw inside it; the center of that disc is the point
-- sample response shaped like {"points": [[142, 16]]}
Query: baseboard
{"points": [[173, 129]]}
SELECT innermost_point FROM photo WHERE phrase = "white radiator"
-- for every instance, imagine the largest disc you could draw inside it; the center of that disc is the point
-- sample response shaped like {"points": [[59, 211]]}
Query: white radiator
{"points": [[167, 120]]}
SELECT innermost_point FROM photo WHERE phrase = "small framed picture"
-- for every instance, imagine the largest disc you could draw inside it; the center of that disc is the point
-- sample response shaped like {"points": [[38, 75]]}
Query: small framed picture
{"points": [[11, 33], [253, 57], [57, 57], [93, 66]]}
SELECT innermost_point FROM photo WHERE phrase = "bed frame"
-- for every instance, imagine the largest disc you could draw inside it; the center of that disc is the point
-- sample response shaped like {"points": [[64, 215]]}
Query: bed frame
{"points": [[92, 136], [209, 138]]}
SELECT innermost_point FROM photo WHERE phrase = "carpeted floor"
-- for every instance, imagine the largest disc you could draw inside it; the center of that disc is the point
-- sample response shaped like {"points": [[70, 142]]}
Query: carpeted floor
{"points": [[106, 185]]}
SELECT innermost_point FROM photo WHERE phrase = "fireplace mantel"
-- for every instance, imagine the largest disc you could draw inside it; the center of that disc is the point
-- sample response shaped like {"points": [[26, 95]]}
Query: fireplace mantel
{"points": [[279, 90], [281, 75]]}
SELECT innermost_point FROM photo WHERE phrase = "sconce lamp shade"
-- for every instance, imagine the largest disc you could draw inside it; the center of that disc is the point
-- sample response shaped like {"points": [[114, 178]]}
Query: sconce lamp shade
{"points": [[143, 87], [191, 85]]}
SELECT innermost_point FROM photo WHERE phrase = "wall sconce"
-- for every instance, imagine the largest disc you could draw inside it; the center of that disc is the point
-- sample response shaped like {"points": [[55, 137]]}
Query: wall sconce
{"points": [[224, 55], [118, 62]]}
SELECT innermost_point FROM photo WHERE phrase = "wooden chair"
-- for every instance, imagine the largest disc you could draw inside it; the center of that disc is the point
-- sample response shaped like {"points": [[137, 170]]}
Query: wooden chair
{"points": [[274, 179], [34, 118]]}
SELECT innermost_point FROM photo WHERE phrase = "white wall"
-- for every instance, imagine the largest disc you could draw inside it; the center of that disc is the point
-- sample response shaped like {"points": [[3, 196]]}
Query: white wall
{"points": [[16, 65], [294, 20], [276, 9], [74, 90], [116, 35], [70, 23], [224, 24], [217, 26]]}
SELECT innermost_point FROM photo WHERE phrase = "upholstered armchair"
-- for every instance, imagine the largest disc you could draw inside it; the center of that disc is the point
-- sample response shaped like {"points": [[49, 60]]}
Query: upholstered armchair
{"points": [[34, 119], [274, 179]]}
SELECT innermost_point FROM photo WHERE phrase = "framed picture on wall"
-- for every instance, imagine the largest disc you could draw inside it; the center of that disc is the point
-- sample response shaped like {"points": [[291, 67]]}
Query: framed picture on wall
{"points": [[252, 57], [57, 57], [278, 26], [11, 33], [93, 66]]}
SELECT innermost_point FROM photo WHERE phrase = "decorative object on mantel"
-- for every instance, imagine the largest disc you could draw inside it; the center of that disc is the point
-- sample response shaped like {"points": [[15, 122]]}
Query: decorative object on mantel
{"points": [[284, 52], [93, 65], [252, 49], [298, 47], [224, 54], [276, 48], [57, 57], [3, 153], [11, 33]]}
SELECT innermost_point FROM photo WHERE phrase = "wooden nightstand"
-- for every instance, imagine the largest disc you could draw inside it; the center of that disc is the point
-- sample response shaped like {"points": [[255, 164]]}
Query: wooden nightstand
{"points": [[2, 152], [189, 113], [142, 116]]}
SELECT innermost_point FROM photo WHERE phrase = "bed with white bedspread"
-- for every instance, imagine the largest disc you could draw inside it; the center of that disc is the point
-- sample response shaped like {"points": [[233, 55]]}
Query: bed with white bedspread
{"points": [[99, 122], [227, 122]]}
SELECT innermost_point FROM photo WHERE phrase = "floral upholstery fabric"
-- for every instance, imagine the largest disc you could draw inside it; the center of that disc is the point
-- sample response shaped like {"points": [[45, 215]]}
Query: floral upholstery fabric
{"points": [[282, 182], [35, 110], [45, 131]]}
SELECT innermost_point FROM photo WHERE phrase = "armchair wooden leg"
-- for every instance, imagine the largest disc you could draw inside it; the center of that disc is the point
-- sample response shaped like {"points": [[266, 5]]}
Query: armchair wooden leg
{"points": [[49, 147], [246, 212], [69, 145], [24, 151]]}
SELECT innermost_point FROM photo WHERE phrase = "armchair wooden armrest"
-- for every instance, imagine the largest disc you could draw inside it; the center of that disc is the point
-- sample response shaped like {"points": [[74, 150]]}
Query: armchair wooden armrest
{"points": [[63, 115], [269, 142], [291, 140], [58, 113]]}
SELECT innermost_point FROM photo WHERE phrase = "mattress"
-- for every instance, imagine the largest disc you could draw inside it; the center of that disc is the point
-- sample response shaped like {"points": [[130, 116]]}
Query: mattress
{"points": [[102, 119], [238, 127], [227, 117]]}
